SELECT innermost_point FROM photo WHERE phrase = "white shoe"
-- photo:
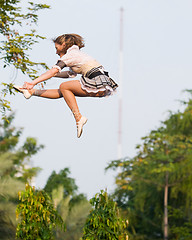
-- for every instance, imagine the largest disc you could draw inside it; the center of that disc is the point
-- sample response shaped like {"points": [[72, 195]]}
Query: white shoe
{"points": [[25, 92], [80, 124]]}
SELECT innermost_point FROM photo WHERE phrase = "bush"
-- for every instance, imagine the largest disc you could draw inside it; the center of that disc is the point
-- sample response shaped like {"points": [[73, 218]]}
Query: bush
{"points": [[104, 221], [38, 218]]}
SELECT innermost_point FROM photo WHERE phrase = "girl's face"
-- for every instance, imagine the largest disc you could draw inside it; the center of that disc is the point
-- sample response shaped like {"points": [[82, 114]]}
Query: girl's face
{"points": [[59, 49]]}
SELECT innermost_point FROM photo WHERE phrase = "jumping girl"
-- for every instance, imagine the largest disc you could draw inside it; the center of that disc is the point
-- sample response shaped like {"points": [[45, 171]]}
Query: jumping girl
{"points": [[94, 81]]}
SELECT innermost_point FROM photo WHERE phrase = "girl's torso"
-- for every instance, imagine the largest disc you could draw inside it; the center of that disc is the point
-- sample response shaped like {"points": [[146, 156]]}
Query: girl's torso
{"points": [[79, 61]]}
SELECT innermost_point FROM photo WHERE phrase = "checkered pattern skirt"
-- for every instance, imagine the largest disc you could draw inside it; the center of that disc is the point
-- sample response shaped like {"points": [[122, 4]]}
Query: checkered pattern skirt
{"points": [[97, 80]]}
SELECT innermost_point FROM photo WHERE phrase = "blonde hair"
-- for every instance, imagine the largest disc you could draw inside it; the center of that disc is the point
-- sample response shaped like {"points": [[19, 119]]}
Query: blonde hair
{"points": [[69, 40]]}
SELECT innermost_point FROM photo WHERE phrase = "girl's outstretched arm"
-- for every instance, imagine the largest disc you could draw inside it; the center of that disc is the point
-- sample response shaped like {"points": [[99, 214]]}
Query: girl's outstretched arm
{"points": [[45, 76], [64, 74]]}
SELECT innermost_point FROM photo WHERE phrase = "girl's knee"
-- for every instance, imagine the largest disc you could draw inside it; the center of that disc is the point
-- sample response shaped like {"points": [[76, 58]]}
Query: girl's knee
{"points": [[63, 86]]}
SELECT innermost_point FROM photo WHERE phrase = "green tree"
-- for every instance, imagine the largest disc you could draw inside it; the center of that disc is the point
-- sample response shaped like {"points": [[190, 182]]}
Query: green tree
{"points": [[9, 141], [73, 208], [9, 187], [154, 179], [159, 179], [18, 20], [180, 222], [61, 179], [38, 215], [181, 213], [74, 212], [76, 219], [166, 161], [13, 172], [104, 221]]}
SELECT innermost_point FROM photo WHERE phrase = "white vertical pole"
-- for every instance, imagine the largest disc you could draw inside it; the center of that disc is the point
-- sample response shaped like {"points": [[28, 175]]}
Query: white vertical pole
{"points": [[120, 84]]}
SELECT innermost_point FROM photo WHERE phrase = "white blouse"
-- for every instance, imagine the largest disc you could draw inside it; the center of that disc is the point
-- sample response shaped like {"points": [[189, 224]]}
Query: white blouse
{"points": [[78, 61]]}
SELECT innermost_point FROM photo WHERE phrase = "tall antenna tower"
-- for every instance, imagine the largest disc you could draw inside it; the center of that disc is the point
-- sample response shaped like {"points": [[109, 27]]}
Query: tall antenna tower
{"points": [[120, 84]]}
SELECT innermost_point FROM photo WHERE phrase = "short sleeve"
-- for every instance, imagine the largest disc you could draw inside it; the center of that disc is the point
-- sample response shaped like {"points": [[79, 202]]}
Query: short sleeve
{"points": [[59, 65]]}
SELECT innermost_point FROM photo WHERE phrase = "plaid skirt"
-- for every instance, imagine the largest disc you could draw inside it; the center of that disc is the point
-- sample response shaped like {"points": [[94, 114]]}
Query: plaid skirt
{"points": [[97, 80]]}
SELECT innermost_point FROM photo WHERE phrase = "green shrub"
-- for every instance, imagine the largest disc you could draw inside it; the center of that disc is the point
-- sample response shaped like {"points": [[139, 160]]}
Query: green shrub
{"points": [[38, 218], [104, 221]]}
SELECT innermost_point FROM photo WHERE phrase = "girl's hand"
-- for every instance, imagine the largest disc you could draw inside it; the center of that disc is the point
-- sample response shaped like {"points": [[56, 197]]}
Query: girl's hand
{"points": [[28, 85]]}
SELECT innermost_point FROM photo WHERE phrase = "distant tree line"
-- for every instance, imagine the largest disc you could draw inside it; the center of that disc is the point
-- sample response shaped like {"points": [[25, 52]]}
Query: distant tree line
{"points": [[154, 188]]}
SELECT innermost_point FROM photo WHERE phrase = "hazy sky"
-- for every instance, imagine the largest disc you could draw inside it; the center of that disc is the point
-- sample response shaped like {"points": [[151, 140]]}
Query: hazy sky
{"points": [[157, 68]]}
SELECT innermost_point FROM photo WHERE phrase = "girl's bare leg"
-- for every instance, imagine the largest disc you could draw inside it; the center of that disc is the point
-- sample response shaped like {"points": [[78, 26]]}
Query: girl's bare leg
{"points": [[49, 93], [71, 89], [68, 90]]}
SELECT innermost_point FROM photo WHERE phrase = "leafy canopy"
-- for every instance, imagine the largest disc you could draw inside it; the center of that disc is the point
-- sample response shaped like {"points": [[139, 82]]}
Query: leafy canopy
{"points": [[104, 221], [38, 215], [18, 20]]}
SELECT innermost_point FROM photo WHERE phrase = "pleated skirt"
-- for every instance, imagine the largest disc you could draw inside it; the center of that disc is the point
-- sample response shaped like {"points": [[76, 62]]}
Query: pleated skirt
{"points": [[98, 80]]}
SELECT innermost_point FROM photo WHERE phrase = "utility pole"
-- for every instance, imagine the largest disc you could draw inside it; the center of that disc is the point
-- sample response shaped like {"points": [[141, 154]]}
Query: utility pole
{"points": [[120, 85]]}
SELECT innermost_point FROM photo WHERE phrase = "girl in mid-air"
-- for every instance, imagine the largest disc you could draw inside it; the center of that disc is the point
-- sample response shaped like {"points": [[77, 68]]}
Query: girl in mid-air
{"points": [[94, 81]]}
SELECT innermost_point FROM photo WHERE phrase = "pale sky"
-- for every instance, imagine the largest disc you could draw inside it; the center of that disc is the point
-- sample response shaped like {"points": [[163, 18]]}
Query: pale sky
{"points": [[157, 68]]}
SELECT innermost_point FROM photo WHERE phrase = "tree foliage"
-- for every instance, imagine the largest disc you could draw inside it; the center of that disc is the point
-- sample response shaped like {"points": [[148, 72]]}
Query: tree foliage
{"points": [[74, 212], [38, 216], [61, 179], [18, 20], [14, 171], [164, 159], [9, 187], [73, 208], [17, 28], [104, 221], [76, 219], [21, 155]]}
